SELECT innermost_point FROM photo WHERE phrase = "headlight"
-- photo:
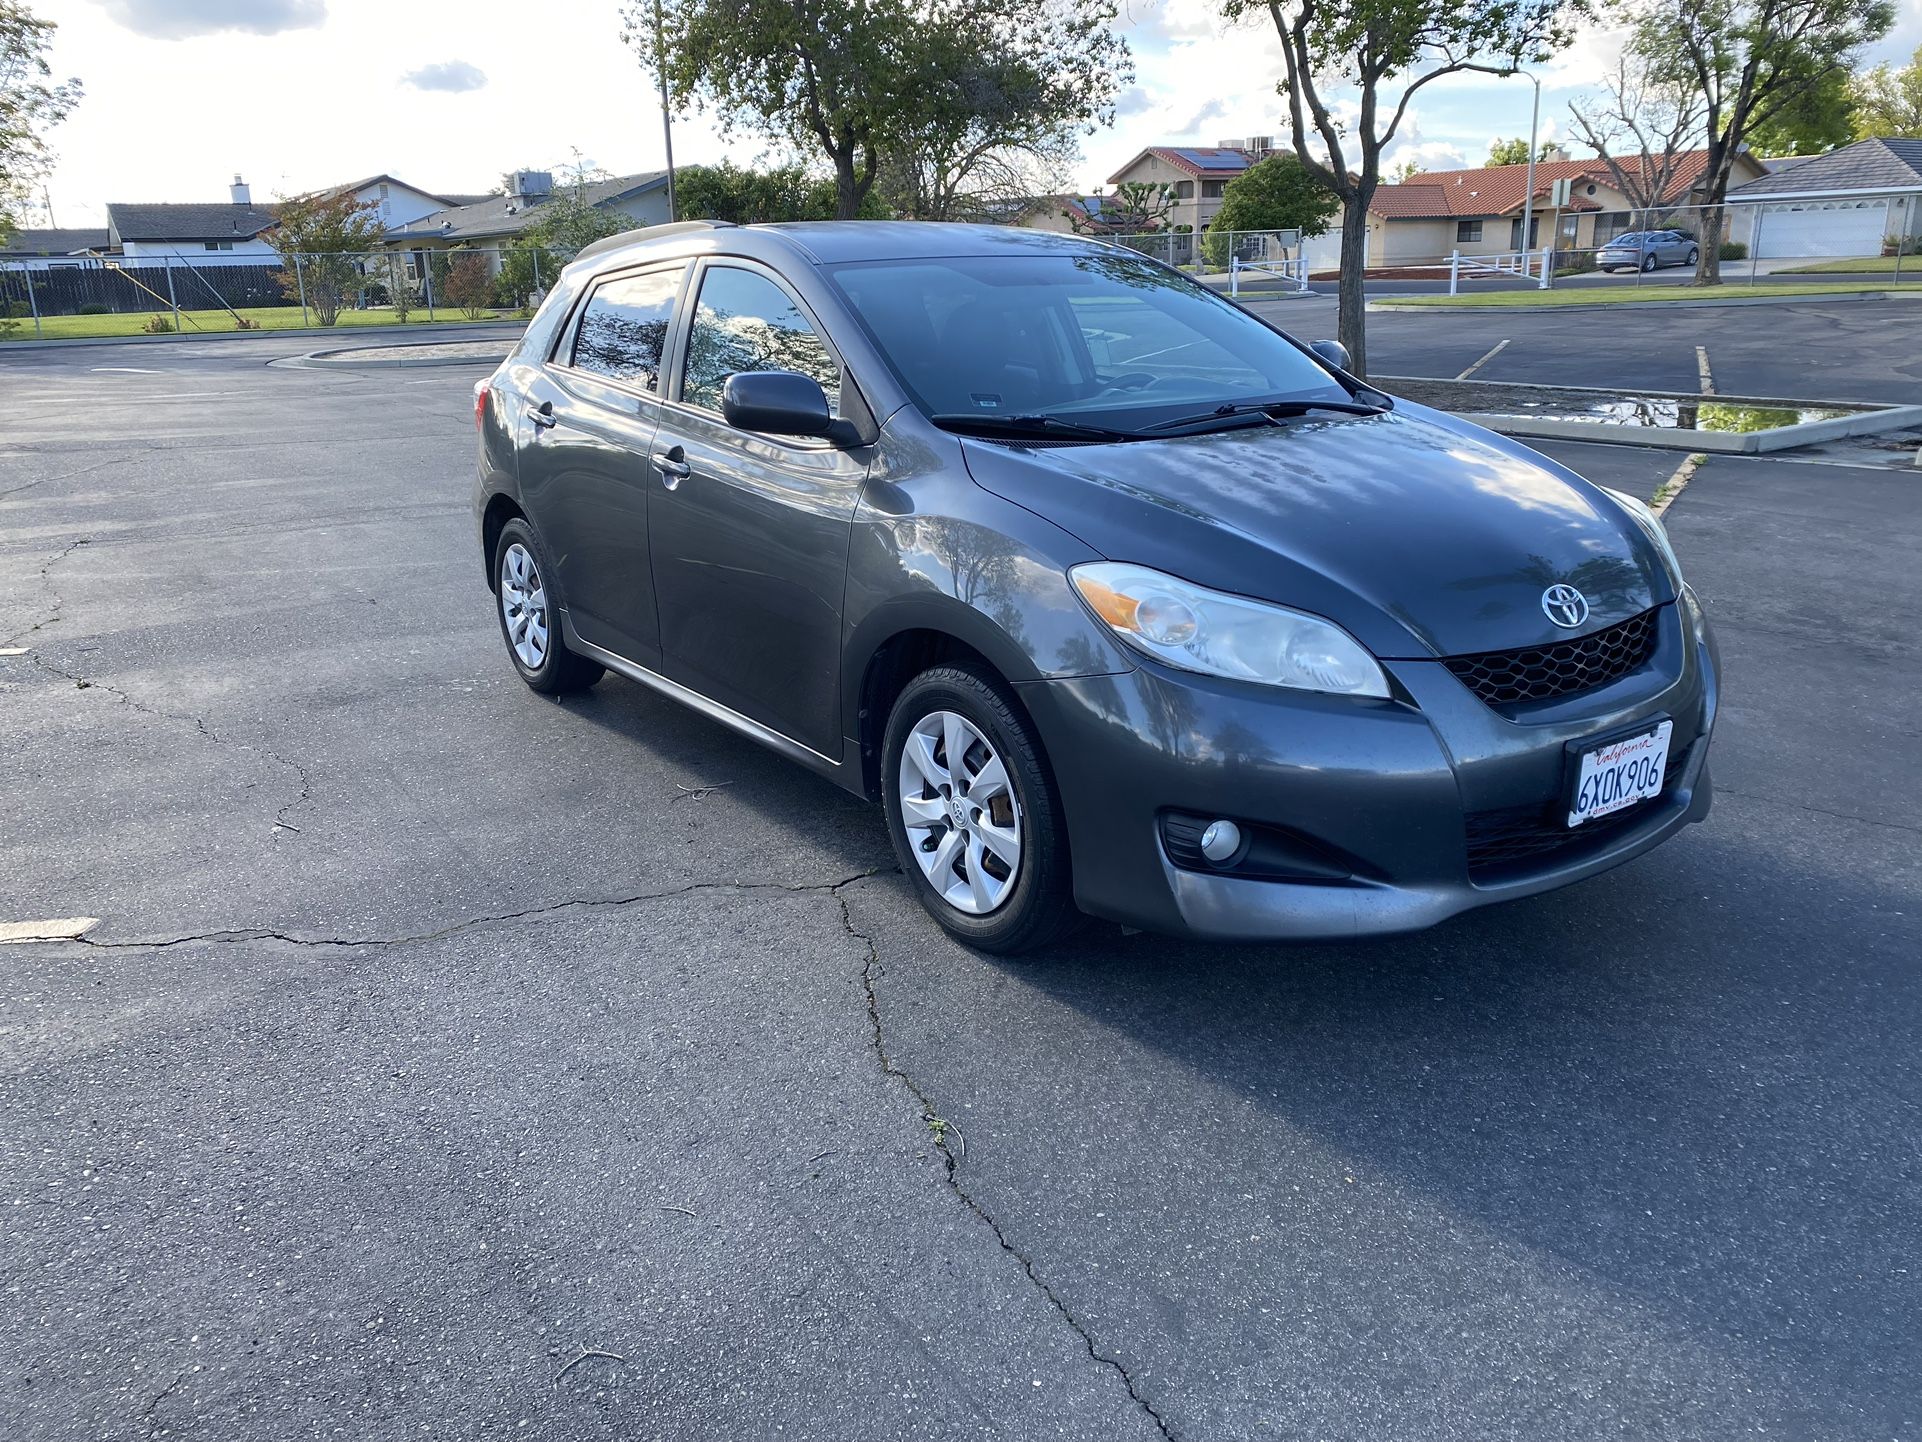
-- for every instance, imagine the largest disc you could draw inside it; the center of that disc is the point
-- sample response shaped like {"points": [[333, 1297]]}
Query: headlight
{"points": [[1653, 528], [1221, 635]]}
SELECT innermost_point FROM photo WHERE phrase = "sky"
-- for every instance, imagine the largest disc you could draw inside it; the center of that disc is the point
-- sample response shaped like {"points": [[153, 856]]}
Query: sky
{"points": [[448, 95]]}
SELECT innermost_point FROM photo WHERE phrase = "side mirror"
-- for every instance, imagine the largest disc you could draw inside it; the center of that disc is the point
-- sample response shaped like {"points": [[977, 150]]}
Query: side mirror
{"points": [[1332, 351], [777, 403]]}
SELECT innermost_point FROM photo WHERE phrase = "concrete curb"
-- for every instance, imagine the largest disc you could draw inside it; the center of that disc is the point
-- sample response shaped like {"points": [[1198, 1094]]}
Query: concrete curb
{"points": [[397, 332], [344, 359], [1877, 420], [1390, 303]]}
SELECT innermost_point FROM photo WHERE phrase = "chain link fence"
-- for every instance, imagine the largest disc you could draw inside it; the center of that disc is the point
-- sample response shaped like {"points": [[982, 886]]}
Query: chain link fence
{"points": [[118, 295]]}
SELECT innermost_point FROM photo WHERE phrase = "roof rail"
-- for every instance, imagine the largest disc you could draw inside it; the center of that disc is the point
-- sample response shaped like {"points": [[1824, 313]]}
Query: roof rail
{"points": [[648, 232]]}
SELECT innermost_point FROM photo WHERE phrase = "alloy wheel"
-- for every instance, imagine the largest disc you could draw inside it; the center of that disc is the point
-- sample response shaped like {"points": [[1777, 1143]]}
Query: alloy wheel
{"points": [[524, 606], [960, 813]]}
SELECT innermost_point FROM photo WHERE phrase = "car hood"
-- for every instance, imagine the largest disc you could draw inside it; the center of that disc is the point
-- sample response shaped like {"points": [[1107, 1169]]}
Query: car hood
{"points": [[1421, 534]]}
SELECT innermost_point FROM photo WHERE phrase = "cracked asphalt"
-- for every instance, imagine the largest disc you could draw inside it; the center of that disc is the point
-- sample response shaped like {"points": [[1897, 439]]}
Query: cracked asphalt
{"points": [[452, 1062]]}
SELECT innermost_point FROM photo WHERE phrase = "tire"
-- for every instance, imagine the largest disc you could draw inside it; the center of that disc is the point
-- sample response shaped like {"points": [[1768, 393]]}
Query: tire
{"points": [[1649, 262], [1033, 903], [1693, 256], [529, 619]]}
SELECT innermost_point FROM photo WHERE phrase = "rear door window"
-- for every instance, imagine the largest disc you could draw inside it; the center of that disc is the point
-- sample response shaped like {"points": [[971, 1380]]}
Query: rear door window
{"points": [[624, 325]]}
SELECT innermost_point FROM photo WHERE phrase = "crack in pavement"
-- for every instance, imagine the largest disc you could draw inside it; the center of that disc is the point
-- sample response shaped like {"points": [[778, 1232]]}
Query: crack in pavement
{"points": [[930, 1116], [82, 471], [59, 601], [454, 928], [148, 1422]]}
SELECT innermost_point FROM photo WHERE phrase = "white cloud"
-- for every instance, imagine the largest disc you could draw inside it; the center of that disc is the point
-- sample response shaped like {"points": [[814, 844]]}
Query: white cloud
{"points": [[181, 19], [449, 75]]}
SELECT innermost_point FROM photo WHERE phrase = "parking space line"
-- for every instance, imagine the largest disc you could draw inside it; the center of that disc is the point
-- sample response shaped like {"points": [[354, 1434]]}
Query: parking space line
{"points": [[1500, 346], [1666, 493], [60, 928], [1701, 365]]}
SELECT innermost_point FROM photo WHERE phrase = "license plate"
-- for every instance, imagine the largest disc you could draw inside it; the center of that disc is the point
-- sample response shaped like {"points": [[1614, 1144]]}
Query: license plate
{"points": [[1614, 777]]}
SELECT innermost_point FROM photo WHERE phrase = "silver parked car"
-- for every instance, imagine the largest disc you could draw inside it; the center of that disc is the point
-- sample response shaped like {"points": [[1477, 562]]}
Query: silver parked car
{"points": [[1647, 249]]}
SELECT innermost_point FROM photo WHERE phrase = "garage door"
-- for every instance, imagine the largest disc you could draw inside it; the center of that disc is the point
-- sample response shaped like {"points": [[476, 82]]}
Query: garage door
{"points": [[1838, 227]]}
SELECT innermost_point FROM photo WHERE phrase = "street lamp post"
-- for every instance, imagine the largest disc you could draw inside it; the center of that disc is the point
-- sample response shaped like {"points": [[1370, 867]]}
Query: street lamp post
{"points": [[667, 118], [1528, 200]]}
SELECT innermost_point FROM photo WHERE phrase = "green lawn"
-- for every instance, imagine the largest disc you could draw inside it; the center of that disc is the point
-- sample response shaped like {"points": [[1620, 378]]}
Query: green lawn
{"points": [[1871, 265], [1610, 295], [217, 322]]}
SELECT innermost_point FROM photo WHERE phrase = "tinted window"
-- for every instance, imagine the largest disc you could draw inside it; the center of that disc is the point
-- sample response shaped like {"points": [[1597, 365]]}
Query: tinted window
{"points": [[745, 322], [1108, 337], [624, 326]]}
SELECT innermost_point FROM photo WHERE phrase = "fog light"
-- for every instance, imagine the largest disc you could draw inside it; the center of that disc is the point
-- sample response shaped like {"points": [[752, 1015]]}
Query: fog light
{"points": [[1221, 840]]}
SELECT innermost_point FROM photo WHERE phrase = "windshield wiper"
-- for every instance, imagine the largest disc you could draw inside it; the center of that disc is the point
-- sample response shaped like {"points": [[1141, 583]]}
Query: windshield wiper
{"points": [[1273, 410], [989, 424]]}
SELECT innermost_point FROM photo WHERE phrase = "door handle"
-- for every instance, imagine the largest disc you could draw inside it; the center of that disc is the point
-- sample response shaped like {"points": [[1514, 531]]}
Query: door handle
{"points": [[673, 466], [542, 416]]}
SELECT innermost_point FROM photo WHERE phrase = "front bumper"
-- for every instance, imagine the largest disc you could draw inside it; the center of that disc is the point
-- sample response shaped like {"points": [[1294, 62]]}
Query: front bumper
{"points": [[1387, 786]]}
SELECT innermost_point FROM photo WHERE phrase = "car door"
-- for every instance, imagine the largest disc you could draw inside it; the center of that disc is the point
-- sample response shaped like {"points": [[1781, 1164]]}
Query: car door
{"points": [[749, 533], [1673, 247], [590, 418]]}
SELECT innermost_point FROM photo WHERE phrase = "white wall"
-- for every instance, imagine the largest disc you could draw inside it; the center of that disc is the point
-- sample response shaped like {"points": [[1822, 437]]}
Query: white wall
{"points": [[249, 252]]}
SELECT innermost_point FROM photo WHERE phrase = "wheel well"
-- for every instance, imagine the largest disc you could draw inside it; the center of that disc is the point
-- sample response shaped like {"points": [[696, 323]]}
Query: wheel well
{"points": [[500, 510], [901, 658]]}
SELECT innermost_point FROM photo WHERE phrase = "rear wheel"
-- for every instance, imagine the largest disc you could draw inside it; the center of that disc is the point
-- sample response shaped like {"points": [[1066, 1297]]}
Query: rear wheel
{"points": [[973, 814], [530, 621], [1648, 262]]}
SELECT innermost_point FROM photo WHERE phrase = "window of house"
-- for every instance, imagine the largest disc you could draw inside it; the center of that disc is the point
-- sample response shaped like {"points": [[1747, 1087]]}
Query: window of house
{"points": [[1211, 189], [624, 327], [219, 244], [1468, 230], [1184, 190], [745, 322]]}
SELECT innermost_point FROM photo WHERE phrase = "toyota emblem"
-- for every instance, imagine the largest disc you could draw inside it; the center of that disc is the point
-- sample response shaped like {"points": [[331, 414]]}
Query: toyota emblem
{"points": [[1565, 606]]}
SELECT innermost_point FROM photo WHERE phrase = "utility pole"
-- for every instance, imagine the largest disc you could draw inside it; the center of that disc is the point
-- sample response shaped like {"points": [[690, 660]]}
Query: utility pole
{"points": [[667, 118], [1528, 202]]}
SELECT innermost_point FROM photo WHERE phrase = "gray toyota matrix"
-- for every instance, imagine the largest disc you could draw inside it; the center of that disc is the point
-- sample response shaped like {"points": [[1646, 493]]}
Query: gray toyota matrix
{"points": [[1119, 600]]}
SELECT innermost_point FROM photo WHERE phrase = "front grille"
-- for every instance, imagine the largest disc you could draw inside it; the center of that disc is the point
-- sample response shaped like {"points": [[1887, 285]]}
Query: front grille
{"points": [[1539, 673], [1497, 839]]}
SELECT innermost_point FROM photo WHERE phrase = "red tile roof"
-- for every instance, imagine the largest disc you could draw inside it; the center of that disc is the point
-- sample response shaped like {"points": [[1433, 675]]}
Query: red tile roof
{"points": [[1497, 189]]}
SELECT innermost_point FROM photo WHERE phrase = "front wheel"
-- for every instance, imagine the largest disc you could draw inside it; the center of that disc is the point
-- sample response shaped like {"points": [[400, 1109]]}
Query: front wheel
{"points": [[973, 814], [530, 621], [1693, 256]]}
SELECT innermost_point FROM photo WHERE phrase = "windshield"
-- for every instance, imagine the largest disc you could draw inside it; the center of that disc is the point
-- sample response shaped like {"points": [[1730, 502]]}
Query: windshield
{"points": [[1097, 340]]}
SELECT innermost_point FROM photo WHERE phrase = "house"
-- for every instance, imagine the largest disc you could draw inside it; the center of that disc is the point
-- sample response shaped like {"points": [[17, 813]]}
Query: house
{"points": [[1076, 214], [202, 233], [1427, 217], [498, 220], [44, 249], [1196, 174], [1860, 200], [394, 202]]}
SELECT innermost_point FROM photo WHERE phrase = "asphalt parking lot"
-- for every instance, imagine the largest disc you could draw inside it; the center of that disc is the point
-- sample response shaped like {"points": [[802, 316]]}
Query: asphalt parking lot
{"points": [[451, 1062]]}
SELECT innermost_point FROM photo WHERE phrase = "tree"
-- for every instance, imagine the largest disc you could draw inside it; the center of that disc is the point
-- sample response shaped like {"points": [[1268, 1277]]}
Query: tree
{"points": [[319, 239], [1888, 103], [861, 80], [1405, 172], [1818, 120], [1138, 205], [1749, 60], [1641, 125], [1515, 152], [1276, 193], [469, 285], [1388, 51], [30, 105], [569, 222], [747, 197], [994, 124], [401, 294]]}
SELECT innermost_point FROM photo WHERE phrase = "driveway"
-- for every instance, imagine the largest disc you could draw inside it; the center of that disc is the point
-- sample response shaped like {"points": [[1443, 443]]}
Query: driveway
{"points": [[448, 1061]]}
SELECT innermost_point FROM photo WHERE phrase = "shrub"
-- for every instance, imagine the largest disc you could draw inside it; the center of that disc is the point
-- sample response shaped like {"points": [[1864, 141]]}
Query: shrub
{"points": [[1899, 244], [158, 325], [1734, 250], [469, 286], [16, 310], [243, 322], [94, 307]]}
